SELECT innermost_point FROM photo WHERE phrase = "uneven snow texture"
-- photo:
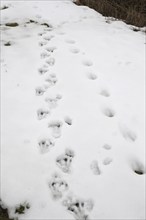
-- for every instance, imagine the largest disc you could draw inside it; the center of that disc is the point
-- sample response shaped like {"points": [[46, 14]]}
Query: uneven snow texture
{"points": [[72, 95]]}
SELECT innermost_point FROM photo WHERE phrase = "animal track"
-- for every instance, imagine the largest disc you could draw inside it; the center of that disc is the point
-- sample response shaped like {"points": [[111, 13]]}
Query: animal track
{"points": [[50, 61], [92, 76], [105, 92], [107, 161], [68, 120], [87, 63], [64, 161], [74, 50], [42, 70], [95, 167], [45, 144], [44, 55], [50, 49], [52, 101], [41, 33], [138, 167], [48, 38], [39, 91], [56, 126], [127, 133], [108, 112], [107, 146], [78, 207], [42, 113], [42, 43], [57, 186], [51, 79]]}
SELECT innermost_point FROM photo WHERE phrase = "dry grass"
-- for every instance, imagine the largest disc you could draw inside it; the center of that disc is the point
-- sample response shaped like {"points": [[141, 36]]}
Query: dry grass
{"points": [[130, 11]]}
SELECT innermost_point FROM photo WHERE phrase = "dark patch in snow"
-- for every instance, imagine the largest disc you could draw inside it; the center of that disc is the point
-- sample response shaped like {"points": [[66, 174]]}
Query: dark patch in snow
{"points": [[4, 7], [3, 212], [7, 43], [47, 25], [12, 24], [22, 208]]}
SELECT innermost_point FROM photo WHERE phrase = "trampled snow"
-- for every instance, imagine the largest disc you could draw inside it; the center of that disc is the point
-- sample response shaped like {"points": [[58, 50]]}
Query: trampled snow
{"points": [[72, 112]]}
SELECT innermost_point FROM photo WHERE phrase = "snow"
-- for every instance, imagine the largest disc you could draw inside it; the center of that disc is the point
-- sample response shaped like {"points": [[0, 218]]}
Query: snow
{"points": [[72, 92]]}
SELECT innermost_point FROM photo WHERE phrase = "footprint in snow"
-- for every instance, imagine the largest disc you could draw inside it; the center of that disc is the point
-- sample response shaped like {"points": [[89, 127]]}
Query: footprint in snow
{"points": [[69, 41], [74, 50], [137, 167], [51, 80], [43, 70], [40, 91], [42, 113], [127, 133], [50, 61], [68, 120], [45, 144], [87, 63], [109, 112], [57, 186], [91, 76], [50, 49], [95, 167], [105, 93], [107, 147], [55, 126], [53, 100], [79, 208], [48, 38], [107, 160], [41, 33], [42, 43], [44, 55], [64, 161]]}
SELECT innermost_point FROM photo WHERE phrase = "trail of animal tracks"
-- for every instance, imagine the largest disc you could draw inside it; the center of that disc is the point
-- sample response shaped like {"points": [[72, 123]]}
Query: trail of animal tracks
{"points": [[72, 113]]}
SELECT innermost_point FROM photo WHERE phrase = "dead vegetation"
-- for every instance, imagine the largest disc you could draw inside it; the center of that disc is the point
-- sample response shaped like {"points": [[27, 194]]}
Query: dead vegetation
{"points": [[130, 11]]}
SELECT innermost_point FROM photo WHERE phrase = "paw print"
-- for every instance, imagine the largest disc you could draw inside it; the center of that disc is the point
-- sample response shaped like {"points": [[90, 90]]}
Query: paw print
{"points": [[64, 161]]}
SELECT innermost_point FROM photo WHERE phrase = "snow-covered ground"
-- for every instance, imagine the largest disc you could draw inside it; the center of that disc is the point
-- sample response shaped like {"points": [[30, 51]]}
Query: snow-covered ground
{"points": [[72, 113]]}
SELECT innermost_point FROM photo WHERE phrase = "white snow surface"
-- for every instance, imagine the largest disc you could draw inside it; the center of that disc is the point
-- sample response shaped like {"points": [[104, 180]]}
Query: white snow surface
{"points": [[88, 102]]}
